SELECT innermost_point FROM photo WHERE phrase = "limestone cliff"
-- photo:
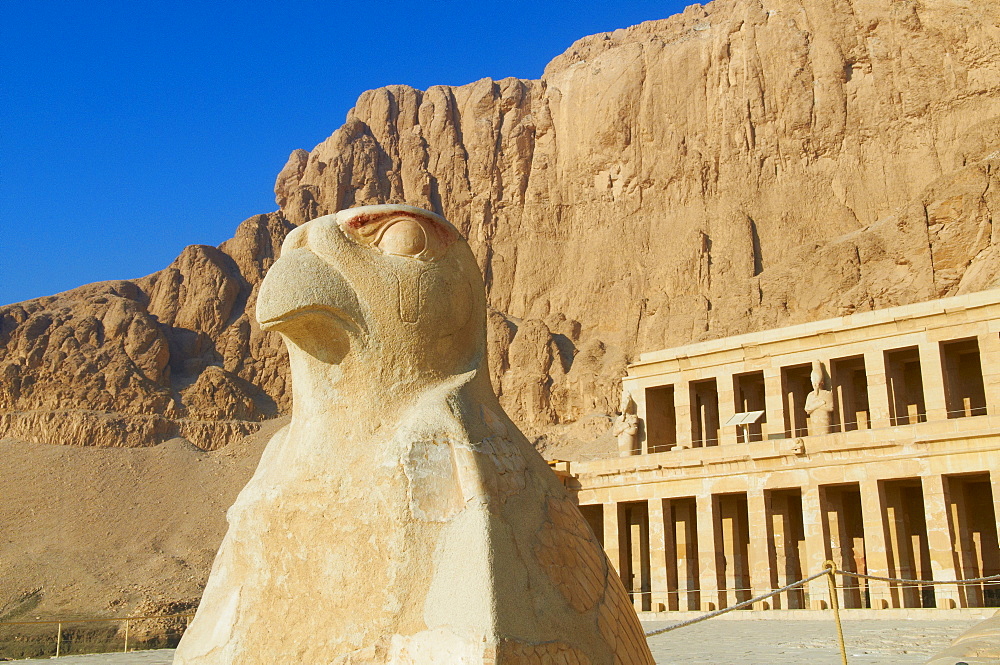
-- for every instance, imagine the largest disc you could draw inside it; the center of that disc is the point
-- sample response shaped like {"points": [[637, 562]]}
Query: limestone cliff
{"points": [[132, 363], [743, 165]]}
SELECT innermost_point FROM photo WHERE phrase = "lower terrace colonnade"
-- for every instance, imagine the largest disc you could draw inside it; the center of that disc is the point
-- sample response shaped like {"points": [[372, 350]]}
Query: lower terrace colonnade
{"points": [[713, 550]]}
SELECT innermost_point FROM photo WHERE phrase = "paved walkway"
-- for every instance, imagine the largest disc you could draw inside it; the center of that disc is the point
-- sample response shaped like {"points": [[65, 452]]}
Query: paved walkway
{"points": [[792, 642], [730, 642]]}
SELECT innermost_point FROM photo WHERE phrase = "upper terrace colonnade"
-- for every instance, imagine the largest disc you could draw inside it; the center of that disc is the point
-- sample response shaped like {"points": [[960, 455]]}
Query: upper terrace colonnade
{"points": [[706, 512]]}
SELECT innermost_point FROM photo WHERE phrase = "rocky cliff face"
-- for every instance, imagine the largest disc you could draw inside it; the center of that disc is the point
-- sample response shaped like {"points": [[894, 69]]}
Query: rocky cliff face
{"points": [[743, 165], [133, 363]]}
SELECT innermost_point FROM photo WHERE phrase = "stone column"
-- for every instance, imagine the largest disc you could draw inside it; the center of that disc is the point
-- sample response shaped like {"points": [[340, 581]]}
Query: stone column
{"points": [[760, 547], [658, 510], [995, 483], [773, 402], [878, 389], [932, 375], [686, 553], [989, 357], [727, 530], [727, 408], [642, 436], [903, 554], [816, 554], [682, 413], [637, 534], [778, 527], [613, 537], [968, 560], [876, 554], [939, 540], [708, 553], [836, 537]]}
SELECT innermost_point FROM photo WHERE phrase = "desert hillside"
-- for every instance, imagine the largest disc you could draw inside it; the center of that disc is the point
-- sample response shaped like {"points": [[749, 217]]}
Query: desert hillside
{"points": [[743, 165], [103, 532]]}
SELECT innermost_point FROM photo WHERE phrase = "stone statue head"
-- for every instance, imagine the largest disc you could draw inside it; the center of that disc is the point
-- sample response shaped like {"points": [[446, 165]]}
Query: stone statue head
{"points": [[384, 295], [817, 375], [627, 404]]}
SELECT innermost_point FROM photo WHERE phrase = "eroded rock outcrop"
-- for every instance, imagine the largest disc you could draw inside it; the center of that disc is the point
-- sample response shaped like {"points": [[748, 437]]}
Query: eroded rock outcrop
{"points": [[743, 165], [133, 363]]}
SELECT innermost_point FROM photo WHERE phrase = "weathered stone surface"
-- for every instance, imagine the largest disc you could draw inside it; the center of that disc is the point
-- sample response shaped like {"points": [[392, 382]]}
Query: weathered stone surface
{"points": [[741, 166], [401, 517], [979, 644]]}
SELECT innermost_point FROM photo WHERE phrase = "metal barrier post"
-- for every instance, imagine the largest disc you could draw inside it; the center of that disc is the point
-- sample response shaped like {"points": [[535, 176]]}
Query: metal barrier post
{"points": [[831, 568], [128, 624]]}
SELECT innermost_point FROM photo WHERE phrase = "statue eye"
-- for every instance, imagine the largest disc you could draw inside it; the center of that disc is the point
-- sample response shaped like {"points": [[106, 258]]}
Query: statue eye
{"points": [[403, 238]]}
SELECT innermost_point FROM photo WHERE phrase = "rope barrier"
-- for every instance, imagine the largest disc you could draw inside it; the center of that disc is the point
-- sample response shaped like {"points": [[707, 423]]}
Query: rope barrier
{"points": [[737, 606], [988, 580], [830, 571], [985, 581], [899, 580], [831, 568], [61, 622]]}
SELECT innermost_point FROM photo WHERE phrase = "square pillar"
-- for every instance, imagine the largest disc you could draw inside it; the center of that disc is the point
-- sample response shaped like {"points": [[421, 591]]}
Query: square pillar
{"points": [[839, 545], [878, 389], [939, 540], [989, 357], [684, 528], [932, 374], [816, 554], [708, 552], [642, 436], [614, 546], [967, 550], [778, 531], [682, 413], [774, 405], [727, 408], [881, 595], [659, 547], [760, 547], [637, 542], [995, 484], [732, 539]]}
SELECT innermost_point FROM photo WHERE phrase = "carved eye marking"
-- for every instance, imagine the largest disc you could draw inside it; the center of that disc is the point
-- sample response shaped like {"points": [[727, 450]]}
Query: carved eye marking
{"points": [[398, 230], [405, 237]]}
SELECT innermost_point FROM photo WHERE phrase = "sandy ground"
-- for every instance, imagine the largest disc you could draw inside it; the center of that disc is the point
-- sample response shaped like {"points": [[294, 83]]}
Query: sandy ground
{"points": [[113, 532], [737, 642]]}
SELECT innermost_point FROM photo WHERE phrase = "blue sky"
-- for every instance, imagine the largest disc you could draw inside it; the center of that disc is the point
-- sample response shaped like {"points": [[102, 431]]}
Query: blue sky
{"points": [[131, 129]]}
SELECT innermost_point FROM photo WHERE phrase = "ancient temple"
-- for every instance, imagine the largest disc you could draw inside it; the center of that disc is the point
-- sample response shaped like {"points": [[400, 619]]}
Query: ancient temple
{"points": [[872, 440]]}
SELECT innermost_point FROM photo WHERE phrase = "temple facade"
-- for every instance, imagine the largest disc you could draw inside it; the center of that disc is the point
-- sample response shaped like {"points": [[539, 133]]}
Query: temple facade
{"points": [[872, 440]]}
